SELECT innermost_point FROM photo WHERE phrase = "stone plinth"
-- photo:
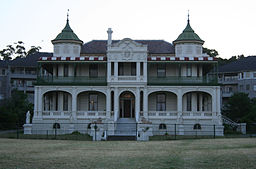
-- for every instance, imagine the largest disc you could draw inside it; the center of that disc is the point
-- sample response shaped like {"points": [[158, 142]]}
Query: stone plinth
{"points": [[27, 128]]}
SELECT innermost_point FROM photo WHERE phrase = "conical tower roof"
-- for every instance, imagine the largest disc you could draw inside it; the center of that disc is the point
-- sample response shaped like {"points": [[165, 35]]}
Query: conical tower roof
{"points": [[67, 34], [188, 35]]}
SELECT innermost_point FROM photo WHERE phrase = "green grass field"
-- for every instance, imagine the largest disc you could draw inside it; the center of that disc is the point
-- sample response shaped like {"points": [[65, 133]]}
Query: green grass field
{"points": [[190, 153]]}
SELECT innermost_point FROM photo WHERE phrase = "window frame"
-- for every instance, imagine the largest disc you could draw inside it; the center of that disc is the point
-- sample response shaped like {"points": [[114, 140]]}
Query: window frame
{"points": [[161, 103], [92, 107]]}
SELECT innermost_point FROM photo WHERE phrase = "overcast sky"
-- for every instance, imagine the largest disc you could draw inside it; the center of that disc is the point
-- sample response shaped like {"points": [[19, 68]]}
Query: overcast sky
{"points": [[229, 26]]}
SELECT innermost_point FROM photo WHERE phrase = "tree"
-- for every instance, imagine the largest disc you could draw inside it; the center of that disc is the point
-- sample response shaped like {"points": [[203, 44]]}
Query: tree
{"points": [[238, 107], [17, 51], [13, 110], [210, 52]]}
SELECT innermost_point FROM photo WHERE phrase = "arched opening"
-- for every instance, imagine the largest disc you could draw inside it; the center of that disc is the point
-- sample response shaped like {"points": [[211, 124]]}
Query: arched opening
{"points": [[127, 105], [197, 101], [162, 126], [162, 101], [56, 126], [197, 126], [57, 101], [91, 101]]}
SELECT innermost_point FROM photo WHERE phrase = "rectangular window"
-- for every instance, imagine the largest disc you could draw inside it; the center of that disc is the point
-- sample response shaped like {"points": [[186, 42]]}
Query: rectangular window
{"points": [[57, 70], [0, 84], [133, 68], [254, 87], [189, 99], [161, 70], [141, 68], [198, 70], [120, 69], [93, 102], [189, 70], [65, 70], [141, 101], [198, 101], [247, 87], [93, 70], [56, 101], [112, 68], [160, 102], [112, 100], [65, 101], [254, 75], [3, 71]]}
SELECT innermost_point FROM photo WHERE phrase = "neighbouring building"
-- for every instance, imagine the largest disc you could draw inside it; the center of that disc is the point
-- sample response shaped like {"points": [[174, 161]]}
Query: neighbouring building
{"points": [[122, 86], [238, 76], [19, 74]]}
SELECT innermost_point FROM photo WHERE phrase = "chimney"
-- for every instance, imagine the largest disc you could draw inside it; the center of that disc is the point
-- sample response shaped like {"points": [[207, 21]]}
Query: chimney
{"points": [[109, 36]]}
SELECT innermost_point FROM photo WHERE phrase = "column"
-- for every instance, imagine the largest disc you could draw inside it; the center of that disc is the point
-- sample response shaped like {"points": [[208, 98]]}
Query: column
{"points": [[108, 71], [214, 102], [108, 102], [40, 101], [145, 71], [137, 104], [74, 104], [116, 71], [145, 103], [35, 102], [138, 70], [200, 102], [116, 104], [179, 101]]}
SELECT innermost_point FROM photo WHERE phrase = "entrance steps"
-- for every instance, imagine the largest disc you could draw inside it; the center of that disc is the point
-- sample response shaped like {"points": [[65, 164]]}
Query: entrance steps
{"points": [[125, 129]]}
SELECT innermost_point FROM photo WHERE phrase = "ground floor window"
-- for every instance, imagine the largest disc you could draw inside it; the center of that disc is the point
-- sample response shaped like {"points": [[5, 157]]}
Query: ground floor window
{"points": [[161, 102], [93, 102]]}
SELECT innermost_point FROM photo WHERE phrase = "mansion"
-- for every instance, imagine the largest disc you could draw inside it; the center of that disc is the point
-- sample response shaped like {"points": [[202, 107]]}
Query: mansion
{"points": [[120, 86]]}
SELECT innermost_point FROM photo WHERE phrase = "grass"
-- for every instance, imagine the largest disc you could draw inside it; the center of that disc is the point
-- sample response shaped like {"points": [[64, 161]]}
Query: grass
{"points": [[189, 153]]}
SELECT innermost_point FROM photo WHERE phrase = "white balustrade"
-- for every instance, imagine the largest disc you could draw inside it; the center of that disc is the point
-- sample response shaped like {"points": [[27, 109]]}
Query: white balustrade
{"points": [[91, 114]]}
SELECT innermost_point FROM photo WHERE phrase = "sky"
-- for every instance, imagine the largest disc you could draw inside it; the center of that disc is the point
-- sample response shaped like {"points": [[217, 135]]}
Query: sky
{"points": [[229, 26]]}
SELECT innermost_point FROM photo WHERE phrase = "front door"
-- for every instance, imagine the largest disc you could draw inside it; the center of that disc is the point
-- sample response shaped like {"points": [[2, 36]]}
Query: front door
{"points": [[126, 105], [127, 108]]}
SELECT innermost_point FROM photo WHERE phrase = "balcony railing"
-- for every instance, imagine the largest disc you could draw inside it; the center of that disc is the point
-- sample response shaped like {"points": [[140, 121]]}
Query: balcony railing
{"points": [[72, 80], [182, 80]]}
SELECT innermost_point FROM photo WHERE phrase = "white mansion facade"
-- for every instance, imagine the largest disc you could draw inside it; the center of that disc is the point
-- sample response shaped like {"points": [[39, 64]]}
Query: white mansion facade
{"points": [[143, 82]]}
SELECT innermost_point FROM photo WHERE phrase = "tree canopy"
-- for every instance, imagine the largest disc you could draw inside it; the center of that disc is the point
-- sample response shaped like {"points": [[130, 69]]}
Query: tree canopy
{"points": [[240, 108], [17, 51]]}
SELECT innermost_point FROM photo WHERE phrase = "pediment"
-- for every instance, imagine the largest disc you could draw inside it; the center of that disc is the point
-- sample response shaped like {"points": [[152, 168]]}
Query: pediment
{"points": [[128, 44]]}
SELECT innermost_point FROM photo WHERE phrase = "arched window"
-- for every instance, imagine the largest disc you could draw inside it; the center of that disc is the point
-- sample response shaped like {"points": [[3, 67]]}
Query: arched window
{"points": [[56, 126], [197, 126], [162, 126]]}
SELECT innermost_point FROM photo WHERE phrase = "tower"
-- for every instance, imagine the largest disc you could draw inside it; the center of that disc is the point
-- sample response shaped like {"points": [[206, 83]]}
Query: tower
{"points": [[67, 43], [188, 43]]}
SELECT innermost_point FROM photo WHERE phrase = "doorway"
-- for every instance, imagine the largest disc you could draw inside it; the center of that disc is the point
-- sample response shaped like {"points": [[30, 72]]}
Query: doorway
{"points": [[127, 105]]}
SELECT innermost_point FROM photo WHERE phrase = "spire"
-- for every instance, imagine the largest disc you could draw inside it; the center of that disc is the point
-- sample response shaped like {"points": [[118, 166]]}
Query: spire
{"points": [[188, 16], [188, 34], [67, 16], [67, 33]]}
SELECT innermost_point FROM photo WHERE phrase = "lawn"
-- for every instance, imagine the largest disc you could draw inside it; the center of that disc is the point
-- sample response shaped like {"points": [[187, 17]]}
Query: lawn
{"points": [[189, 153]]}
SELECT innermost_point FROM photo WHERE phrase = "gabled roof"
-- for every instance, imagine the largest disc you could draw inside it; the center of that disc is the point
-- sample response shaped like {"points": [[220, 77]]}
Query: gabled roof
{"points": [[154, 46], [244, 64], [30, 60]]}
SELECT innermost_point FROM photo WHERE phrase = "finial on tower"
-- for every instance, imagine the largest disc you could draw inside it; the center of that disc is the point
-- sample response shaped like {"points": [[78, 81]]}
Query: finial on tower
{"points": [[188, 16], [67, 15]]}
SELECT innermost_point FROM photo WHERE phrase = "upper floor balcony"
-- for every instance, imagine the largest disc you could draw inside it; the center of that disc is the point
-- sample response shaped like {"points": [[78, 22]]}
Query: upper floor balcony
{"points": [[182, 80], [72, 80]]}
